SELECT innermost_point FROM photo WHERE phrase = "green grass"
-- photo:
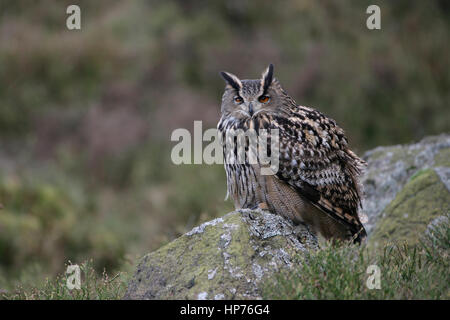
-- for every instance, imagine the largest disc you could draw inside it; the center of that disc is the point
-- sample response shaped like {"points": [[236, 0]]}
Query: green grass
{"points": [[93, 287], [338, 271]]}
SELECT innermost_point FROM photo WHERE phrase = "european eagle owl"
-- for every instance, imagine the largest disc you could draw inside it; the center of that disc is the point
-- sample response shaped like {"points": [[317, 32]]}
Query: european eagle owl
{"points": [[317, 182]]}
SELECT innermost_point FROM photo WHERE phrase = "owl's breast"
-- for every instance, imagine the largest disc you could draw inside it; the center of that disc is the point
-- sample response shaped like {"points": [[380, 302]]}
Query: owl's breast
{"points": [[244, 181], [243, 185]]}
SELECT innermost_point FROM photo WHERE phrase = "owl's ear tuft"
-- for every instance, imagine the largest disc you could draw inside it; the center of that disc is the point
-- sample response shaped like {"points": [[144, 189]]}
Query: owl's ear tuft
{"points": [[267, 77], [232, 80]]}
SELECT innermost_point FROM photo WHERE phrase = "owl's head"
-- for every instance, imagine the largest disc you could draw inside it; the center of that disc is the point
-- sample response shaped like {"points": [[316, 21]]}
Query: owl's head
{"points": [[246, 98]]}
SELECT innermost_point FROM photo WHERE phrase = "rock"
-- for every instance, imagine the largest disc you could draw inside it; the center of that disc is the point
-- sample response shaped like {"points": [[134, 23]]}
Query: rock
{"points": [[226, 258], [391, 168], [423, 198], [406, 188]]}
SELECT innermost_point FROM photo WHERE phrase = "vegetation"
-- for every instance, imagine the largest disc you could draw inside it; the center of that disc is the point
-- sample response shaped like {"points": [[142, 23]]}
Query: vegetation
{"points": [[339, 271], [92, 287]]}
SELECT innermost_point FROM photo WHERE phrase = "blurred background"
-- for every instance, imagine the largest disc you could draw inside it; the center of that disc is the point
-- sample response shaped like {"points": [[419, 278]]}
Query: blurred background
{"points": [[86, 115]]}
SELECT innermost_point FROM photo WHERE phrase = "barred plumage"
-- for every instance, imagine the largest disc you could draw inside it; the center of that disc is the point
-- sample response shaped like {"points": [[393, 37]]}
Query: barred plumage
{"points": [[317, 181]]}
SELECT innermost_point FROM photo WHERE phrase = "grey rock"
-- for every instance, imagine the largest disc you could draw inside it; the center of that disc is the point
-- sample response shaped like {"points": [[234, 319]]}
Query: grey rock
{"points": [[226, 258], [390, 168]]}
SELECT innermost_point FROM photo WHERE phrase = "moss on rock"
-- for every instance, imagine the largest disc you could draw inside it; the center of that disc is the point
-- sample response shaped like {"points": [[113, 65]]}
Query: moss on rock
{"points": [[422, 199]]}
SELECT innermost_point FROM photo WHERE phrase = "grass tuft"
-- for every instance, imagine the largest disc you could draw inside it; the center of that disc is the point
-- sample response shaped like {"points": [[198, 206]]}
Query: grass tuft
{"points": [[92, 287], [341, 271]]}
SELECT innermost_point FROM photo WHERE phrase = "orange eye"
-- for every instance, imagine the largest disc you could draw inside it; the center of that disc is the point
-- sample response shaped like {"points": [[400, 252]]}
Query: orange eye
{"points": [[238, 99], [264, 99]]}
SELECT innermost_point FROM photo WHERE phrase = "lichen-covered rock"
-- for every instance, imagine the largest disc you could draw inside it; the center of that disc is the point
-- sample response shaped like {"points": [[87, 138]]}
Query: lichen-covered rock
{"points": [[391, 169], [423, 198], [226, 258]]}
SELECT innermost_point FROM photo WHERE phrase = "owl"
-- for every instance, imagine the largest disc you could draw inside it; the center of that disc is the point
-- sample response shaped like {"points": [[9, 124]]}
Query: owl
{"points": [[317, 181]]}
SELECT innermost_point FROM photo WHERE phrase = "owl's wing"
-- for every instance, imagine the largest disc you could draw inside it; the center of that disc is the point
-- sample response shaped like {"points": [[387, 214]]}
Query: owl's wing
{"points": [[315, 161]]}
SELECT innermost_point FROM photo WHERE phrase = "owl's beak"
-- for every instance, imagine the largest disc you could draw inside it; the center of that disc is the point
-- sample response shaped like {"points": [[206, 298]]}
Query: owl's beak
{"points": [[250, 109]]}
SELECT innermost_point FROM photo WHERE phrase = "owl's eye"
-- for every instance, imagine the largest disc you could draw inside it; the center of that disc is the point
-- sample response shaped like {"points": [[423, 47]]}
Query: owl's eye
{"points": [[238, 99], [264, 99]]}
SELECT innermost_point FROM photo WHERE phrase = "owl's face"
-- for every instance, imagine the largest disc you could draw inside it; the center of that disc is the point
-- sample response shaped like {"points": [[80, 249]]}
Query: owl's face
{"points": [[244, 99]]}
